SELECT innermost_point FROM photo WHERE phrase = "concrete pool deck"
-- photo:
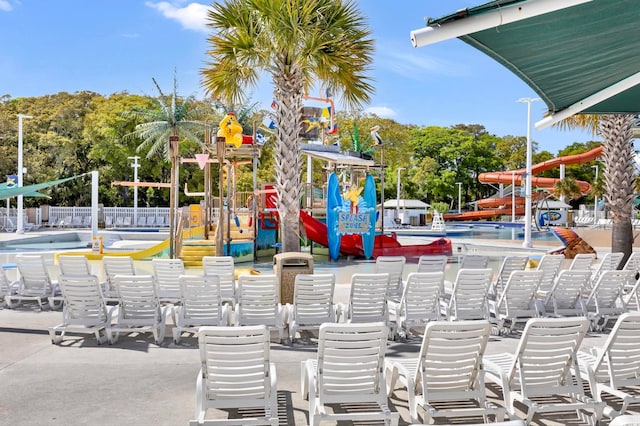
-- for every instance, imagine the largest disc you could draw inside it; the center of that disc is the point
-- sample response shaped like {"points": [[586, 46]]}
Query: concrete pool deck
{"points": [[138, 382]]}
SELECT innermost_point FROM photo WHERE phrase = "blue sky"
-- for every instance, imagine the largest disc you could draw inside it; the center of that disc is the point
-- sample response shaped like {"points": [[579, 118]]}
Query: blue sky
{"points": [[50, 46]]}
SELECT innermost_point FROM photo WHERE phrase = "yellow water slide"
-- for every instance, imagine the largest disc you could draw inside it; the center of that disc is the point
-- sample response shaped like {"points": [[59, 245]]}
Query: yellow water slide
{"points": [[138, 254]]}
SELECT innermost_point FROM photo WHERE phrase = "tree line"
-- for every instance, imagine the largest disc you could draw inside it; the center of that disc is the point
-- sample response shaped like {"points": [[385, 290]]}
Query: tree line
{"points": [[71, 134]]}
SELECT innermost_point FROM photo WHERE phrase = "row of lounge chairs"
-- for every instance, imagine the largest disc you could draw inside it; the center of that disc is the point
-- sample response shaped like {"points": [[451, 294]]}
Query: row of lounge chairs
{"points": [[547, 348], [142, 222], [446, 379]]}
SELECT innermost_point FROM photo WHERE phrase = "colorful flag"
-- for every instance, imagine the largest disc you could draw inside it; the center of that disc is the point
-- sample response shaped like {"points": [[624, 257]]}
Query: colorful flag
{"points": [[12, 181]]}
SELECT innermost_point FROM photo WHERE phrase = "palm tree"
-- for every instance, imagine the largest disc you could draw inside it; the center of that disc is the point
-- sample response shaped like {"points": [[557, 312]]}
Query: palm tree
{"points": [[298, 43], [160, 133], [619, 173], [568, 188]]}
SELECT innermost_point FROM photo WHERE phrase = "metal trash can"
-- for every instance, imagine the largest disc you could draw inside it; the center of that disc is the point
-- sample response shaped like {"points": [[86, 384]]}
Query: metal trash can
{"points": [[286, 266]]}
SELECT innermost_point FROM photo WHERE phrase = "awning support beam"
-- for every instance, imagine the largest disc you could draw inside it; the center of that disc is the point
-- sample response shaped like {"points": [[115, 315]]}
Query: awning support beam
{"points": [[590, 101], [492, 19]]}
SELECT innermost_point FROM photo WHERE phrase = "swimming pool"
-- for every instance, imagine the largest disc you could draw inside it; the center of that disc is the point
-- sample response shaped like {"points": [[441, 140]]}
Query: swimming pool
{"points": [[474, 230]]}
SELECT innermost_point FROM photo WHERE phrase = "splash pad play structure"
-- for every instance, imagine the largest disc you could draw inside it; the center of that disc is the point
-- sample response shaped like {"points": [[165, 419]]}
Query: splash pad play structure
{"points": [[497, 206]]}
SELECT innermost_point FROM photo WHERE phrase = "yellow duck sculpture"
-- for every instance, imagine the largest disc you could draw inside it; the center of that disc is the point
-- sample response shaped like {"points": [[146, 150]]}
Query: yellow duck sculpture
{"points": [[231, 130]]}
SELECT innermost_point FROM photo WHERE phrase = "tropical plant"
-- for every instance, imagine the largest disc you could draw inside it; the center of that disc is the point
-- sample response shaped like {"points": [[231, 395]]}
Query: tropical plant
{"points": [[619, 171], [568, 188], [160, 131], [298, 43], [440, 206]]}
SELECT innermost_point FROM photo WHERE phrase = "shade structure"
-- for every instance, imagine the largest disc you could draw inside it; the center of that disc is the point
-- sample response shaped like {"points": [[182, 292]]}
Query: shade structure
{"points": [[31, 190], [578, 58]]}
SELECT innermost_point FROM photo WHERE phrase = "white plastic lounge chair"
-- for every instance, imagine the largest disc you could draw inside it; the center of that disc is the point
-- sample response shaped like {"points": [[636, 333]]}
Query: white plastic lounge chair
{"points": [[167, 273], [508, 265], [119, 222], [448, 369], [539, 374], [76, 222], [610, 262], [86, 222], [394, 266], [633, 262], [615, 368], [115, 265], [565, 297], [108, 221], [74, 265], [312, 303], [67, 222], [517, 301], [53, 221], [142, 221], [237, 373], [367, 300], [7, 287], [626, 420], [200, 305], [349, 370], [505, 423], [469, 295], [474, 261], [605, 301], [550, 265], [139, 309], [582, 261], [259, 304], [84, 309], [34, 284], [420, 301], [223, 267], [151, 222], [432, 263], [128, 220]]}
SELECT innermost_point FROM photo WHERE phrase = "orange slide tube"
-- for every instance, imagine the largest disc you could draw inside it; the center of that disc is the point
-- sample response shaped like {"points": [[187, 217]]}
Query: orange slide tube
{"points": [[506, 177]]}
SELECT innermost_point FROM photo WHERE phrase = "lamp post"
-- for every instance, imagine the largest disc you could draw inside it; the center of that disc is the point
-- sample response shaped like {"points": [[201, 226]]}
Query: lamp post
{"points": [[513, 197], [135, 166], [528, 209], [398, 193], [459, 196], [595, 198], [20, 226]]}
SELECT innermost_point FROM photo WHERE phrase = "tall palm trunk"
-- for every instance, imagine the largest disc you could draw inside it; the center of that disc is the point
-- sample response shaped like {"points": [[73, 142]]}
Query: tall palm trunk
{"points": [[288, 162], [173, 153], [619, 177]]}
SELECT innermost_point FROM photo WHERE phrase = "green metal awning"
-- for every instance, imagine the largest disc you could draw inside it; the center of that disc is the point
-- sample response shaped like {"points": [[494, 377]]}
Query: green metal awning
{"points": [[577, 55]]}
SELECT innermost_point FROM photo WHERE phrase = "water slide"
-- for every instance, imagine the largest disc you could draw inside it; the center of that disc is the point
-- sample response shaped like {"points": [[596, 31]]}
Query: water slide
{"points": [[492, 207], [139, 254], [384, 245]]}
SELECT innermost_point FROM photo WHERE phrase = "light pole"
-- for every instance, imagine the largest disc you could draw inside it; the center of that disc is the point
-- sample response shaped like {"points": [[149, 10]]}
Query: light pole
{"points": [[20, 226], [595, 198], [135, 166], [528, 210], [513, 197], [459, 196], [398, 193]]}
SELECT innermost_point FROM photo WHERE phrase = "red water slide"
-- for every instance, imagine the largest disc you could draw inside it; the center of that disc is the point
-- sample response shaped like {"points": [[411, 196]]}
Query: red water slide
{"points": [[541, 182], [492, 207]]}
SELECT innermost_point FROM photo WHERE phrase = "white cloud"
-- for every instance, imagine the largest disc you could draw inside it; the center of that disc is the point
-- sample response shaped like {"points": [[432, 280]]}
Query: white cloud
{"points": [[381, 111], [192, 17], [5, 6]]}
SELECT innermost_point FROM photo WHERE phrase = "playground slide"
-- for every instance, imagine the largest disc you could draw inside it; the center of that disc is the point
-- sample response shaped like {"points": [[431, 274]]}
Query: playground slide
{"points": [[138, 254], [384, 245], [515, 176]]}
